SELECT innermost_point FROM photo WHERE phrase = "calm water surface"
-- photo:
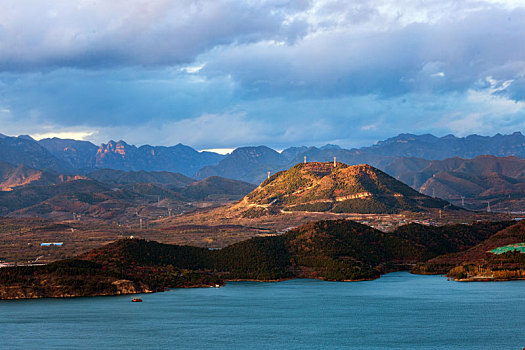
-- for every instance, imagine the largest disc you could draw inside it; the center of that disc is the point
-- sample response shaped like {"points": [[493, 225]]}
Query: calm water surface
{"points": [[398, 311]]}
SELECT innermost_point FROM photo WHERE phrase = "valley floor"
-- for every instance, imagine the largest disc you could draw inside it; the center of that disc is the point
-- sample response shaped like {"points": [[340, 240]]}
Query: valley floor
{"points": [[21, 239]]}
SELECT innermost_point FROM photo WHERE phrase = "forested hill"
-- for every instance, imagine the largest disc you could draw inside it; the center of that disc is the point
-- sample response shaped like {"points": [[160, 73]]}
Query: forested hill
{"points": [[332, 250], [499, 257]]}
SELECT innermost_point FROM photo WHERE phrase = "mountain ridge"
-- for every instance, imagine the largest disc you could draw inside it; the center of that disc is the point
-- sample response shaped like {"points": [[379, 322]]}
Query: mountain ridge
{"points": [[380, 155], [249, 164]]}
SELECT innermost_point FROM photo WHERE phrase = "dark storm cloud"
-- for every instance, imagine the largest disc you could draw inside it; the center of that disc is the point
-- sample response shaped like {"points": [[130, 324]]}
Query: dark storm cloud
{"points": [[438, 57], [229, 73], [38, 34]]}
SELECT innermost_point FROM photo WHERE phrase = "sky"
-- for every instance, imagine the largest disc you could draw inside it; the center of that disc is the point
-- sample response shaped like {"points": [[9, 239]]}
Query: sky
{"points": [[221, 74]]}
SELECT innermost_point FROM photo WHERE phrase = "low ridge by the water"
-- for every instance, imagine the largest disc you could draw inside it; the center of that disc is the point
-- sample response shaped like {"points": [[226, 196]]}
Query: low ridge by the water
{"points": [[397, 311]]}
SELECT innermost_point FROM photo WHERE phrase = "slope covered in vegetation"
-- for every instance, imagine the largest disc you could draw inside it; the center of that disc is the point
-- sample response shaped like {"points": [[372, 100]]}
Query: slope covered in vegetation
{"points": [[336, 250], [338, 188], [480, 261]]}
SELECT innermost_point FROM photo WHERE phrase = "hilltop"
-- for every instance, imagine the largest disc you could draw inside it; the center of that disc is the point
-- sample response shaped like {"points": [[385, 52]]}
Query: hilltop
{"points": [[13, 177], [339, 188]]}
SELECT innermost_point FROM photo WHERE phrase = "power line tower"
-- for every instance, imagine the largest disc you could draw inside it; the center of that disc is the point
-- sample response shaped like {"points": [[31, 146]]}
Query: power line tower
{"points": [[304, 159], [268, 175], [335, 162]]}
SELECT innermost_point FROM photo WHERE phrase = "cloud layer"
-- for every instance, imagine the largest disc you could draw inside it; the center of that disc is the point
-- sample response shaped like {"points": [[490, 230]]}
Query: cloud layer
{"points": [[230, 73]]}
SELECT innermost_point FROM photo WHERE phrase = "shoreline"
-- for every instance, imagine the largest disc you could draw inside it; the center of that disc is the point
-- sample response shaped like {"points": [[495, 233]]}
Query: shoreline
{"points": [[167, 289]]}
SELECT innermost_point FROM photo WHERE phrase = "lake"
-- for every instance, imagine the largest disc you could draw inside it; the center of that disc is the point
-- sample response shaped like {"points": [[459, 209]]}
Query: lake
{"points": [[397, 311]]}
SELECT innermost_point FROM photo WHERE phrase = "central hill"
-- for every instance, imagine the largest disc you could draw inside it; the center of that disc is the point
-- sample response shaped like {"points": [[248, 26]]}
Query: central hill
{"points": [[338, 188]]}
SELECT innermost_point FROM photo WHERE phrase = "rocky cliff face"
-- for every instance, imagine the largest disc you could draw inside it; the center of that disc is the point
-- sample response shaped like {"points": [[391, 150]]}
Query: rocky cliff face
{"points": [[179, 158], [77, 154]]}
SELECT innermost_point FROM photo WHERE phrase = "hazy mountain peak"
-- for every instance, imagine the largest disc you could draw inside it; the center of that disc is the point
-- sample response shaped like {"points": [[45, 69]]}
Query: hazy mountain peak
{"points": [[329, 146], [260, 148]]}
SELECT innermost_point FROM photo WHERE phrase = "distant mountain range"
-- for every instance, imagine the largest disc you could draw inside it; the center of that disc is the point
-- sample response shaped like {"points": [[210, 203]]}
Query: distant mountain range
{"points": [[181, 159], [435, 148], [64, 155], [248, 164], [427, 163], [251, 164], [22, 150]]}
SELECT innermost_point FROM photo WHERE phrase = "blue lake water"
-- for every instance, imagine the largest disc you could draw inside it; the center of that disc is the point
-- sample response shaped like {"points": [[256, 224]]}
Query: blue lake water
{"points": [[397, 311]]}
